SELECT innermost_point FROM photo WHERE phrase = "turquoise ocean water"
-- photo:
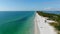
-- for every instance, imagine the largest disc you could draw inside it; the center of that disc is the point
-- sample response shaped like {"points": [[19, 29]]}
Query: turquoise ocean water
{"points": [[17, 22]]}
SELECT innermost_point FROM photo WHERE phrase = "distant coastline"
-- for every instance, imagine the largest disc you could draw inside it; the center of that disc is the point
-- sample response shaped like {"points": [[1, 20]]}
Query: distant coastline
{"points": [[51, 12]]}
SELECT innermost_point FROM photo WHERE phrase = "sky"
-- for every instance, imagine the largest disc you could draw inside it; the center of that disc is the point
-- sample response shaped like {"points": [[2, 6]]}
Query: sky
{"points": [[29, 5]]}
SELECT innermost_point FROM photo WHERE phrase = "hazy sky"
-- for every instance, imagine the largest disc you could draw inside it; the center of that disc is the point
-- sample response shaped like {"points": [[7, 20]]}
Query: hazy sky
{"points": [[32, 5]]}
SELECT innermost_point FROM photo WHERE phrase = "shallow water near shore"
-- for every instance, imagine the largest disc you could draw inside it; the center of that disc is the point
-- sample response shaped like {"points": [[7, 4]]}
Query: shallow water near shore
{"points": [[17, 22]]}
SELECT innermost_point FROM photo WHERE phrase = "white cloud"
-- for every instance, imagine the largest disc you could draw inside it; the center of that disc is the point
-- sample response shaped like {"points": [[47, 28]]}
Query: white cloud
{"points": [[51, 9]]}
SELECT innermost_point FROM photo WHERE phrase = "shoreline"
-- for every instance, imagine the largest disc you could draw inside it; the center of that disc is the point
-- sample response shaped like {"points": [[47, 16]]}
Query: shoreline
{"points": [[36, 29]]}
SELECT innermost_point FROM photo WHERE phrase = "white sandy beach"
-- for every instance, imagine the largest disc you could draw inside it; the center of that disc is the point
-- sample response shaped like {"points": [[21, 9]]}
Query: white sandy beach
{"points": [[42, 27]]}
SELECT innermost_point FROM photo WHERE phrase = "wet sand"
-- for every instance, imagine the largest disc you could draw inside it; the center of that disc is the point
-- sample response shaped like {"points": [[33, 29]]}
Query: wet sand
{"points": [[36, 30]]}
